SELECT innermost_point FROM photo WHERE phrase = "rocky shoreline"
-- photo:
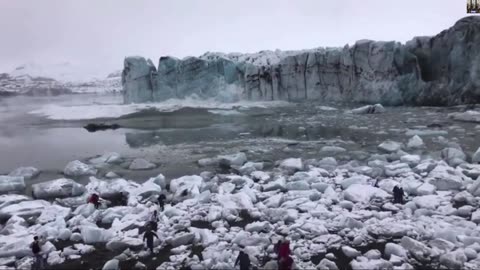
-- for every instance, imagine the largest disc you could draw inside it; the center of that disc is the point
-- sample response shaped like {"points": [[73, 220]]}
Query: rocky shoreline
{"points": [[332, 212]]}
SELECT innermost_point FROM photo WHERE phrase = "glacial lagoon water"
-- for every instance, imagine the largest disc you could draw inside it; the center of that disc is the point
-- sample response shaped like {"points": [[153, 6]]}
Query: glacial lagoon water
{"points": [[176, 134]]}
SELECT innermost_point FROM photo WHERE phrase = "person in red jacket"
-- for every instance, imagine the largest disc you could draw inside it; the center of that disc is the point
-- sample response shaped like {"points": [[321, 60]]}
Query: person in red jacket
{"points": [[286, 264], [94, 199], [284, 250]]}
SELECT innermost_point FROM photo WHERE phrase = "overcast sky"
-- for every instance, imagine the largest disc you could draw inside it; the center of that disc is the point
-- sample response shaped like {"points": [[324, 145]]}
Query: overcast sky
{"points": [[104, 32]]}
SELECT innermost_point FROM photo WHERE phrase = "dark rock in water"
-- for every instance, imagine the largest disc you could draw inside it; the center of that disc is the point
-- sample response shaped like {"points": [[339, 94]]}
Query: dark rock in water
{"points": [[98, 127]]}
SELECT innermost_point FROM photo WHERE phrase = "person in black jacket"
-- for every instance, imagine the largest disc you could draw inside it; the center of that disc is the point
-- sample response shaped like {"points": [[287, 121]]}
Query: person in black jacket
{"points": [[161, 201], [36, 249], [148, 235], [244, 261]]}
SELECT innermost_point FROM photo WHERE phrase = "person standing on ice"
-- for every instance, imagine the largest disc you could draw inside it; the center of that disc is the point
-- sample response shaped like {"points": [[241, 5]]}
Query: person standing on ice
{"points": [[276, 248], [36, 250], [148, 235], [161, 201], [154, 221], [94, 199], [284, 252], [401, 193], [395, 195], [244, 260]]}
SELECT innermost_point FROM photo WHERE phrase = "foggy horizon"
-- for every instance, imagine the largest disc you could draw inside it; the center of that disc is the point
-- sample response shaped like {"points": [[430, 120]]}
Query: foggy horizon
{"points": [[102, 34]]}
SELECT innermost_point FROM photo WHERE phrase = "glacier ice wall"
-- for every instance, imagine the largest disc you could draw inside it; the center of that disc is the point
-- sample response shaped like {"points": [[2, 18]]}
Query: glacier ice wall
{"points": [[439, 70]]}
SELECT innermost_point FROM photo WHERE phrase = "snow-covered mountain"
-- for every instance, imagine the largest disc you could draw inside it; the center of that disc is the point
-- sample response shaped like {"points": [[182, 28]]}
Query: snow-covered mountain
{"points": [[56, 79]]}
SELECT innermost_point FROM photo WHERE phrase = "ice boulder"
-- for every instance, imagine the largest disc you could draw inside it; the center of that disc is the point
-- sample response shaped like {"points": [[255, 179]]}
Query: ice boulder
{"points": [[91, 235], [411, 160], [390, 146], [25, 209], [350, 252], [298, 185], [292, 164], [78, 168], [395, 249], [59, 188], [110, 188], [182, 239], [468, 116], [50, 213], [417, 249], [18, 247], [454, 259], [122, 243], [476, 156], [237, 159], [326, 264], [415, 142], [357, 179], [189, 185], [141, 164], [363, 193], [279, 184], [27, 173], [112, 264], [453, 156], [369, 109], [11, 184], [207, 162], [446, 178], [428, 201], [109, 158], [397, 169]]}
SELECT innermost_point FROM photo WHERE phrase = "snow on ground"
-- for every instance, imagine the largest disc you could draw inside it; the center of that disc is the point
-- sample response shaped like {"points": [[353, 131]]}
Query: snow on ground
{"points": [[85, 112], [337, 211]]}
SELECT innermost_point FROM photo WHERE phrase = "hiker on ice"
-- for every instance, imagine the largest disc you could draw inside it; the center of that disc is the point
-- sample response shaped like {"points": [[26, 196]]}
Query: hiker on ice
{"points": [[161, 201], [148, 235], [38, 263], [244, 261], [153, 222], [398, 195], [95, 200]]}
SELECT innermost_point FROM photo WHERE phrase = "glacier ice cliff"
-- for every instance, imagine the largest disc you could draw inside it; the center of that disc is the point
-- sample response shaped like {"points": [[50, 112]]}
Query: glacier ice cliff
{"points": [[439, 70]]}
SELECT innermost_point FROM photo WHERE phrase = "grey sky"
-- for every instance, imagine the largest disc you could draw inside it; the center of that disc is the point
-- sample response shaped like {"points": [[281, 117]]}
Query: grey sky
{"points": [[103, 32]]}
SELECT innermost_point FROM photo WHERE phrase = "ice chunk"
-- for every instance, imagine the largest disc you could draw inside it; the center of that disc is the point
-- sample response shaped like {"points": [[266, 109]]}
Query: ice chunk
{"points": [[468, 116], [292, 164], [278, 184], [395, 249], [78, 168], [390, 146], [350, 252], [363, 193], [411, 160], [122, 243], [189, 185], [207, 237], [326, 264], [357, 179], [109, 158], [397, 169], [91, 235], [50, 213], [369, 109], [298, 185], [419, 250], [141, 164], [258, 226], [425, 189], [11, 184], [58, 188], [84, 249], [112, 264], [235, 201], [182, 239], [237, 159], [207, 162], [428, 201], [453, 156], [25, 209], [453, 260], [445, 178], [27, 173], [476, 156], [415, 142], [110, 188], [332, 149]]}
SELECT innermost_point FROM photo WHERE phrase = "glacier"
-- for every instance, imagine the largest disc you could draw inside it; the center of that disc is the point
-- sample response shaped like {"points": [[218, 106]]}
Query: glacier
{"points": [[439, 70]]}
